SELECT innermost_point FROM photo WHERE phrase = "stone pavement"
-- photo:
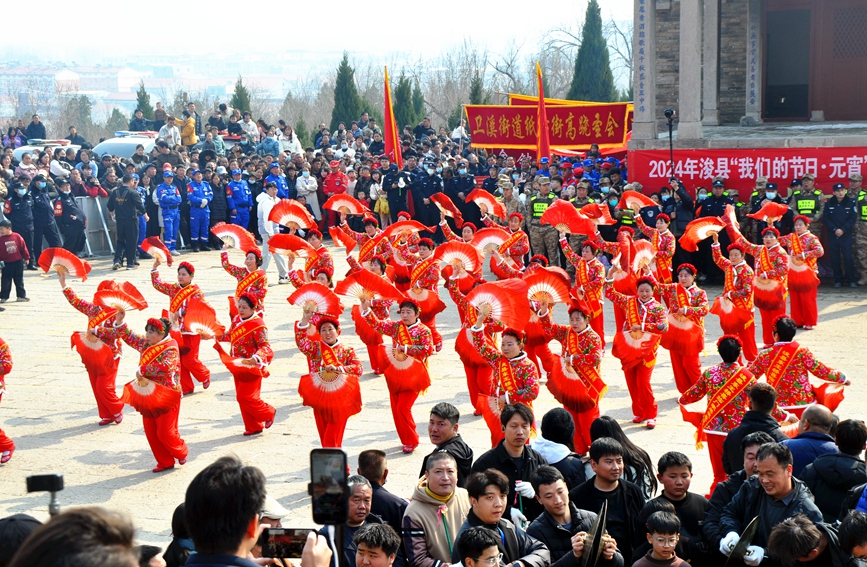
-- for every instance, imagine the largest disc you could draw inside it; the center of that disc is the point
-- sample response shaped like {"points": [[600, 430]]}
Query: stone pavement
{"points": [[50, 412]]}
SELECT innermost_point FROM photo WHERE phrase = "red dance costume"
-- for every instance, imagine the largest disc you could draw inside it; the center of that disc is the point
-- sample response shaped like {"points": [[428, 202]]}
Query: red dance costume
{"points": [[589, 279], [100, 358], [158, 364], [735, 306], [424, 277], [576, 381], [368, 246], [685, 336], [664, 244], [254, 283], [468, 280], [475, 366], [517, 379], [804, 252], [636, 350], [191, 366], [400, 266], [6, 444], [785, 366], [371, 339], [322, 261], [406, 372], [333, 397], [249, 339], [624, 282], [514, 248], [770, 286]]}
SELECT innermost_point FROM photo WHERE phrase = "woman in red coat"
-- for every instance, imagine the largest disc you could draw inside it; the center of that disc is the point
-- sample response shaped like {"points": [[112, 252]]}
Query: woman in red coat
{"points": [[805, 249], [7, 446], [251, 278], [251, 354], [155, 392]]}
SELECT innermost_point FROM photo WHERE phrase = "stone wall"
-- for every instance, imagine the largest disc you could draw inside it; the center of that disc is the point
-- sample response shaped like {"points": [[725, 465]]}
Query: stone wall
{"points": [[733, 60], [667, 58]]}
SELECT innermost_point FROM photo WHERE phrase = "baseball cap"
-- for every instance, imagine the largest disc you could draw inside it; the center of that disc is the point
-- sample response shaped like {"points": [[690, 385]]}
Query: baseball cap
{"points": [[839, 186], [16, 528], [195, 171], [795, 183], [168, 173], [274, 164], [236, 172], [718, 183], [135, 176], [771, 186], [333, 163], [221, 170]]}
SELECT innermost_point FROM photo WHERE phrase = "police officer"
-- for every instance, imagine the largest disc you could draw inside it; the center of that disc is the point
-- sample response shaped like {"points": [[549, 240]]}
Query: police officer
{"points": [[805, 199], [427, 185], [279, 179], [18, 209], [70, 218], [240, 199], [463, 184], [200, 195], [44, 224], [859, 195], [395, 190], [169, 198], [544, 239], [772, 195], [840, 216], [126, 205], [714, 205]]}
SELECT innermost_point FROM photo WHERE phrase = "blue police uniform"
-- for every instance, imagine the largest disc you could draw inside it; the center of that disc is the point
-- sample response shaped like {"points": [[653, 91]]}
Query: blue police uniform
{"points": [[170, 202], [282, 187], [199, 192], [142, 223], [239, 198]]}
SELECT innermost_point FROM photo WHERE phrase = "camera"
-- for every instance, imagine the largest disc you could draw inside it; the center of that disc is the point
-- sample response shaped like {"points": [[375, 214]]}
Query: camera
{"points": [[670, 113], [51, 483], [283, 543], [328, 487]]}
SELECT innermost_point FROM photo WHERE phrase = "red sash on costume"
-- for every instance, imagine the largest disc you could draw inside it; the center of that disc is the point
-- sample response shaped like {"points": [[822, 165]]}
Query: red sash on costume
{"points": [[420, 268], [403, 336], [181, 297], [328, 356], [633, 318], [100, 318], [244, 329], [589, 374], [312, 259], [593, 297], [511, 241], [248, 281], [780, 362], [802, 272], [663, 265], [733, 388], [405, 373], [765, 260], [368, 249], [152, 352], [507, 375], [768, 295]]}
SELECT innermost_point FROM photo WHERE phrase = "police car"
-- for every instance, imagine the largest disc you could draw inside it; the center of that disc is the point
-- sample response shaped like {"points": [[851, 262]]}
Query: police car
{"points": [[35, 146], [124, 143]]}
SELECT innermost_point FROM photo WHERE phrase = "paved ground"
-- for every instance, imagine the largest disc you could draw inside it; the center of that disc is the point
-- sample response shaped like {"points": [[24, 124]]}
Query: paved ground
{"points": [[50, 412]]}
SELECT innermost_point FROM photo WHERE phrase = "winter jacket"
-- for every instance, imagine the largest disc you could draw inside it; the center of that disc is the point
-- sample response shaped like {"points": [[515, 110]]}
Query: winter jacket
{"points": [[752, 500], [188, 133], [264, 205], [462, 453], [198, 193], [497, 458], [335, 183], [306, 187], [219, 204], [35, 131], [138, 125], [840, 214], [806, 447], [515, 544], [558, 539], [171, 135], [830, 477], [722, 495], [570, 464], [269, 145], [291, 144], [733, 456], [429, 534], [19, 211]]}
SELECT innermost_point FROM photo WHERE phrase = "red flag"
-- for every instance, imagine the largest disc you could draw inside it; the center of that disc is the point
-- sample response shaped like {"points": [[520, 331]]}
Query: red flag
{"points": [[392, 141], [543, 140]]}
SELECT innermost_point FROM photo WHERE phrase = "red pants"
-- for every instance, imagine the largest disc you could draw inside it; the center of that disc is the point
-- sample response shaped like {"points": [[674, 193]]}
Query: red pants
{"points": [[254, 411], [6, 443], [330, 432], [401, 411], [687, 369], [541, 356], [431, 323], [103, 386], [478, 382], [715, 450], [638, 382], [748, 340], [598, 324], [619, 317], [190, 363], [164, 439], [583, 419], [768, 324], [805, 311], [376, 355]]}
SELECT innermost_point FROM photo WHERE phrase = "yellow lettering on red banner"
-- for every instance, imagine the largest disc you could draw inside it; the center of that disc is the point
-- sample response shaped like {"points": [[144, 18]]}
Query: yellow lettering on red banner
{"points": [[530, 126], [610, 125], [726, 395], [491, 129], [571, 132], [517, 128], [583, 126], [780, 362], [151, 353], [504, 124], [507, 375], [597, 126], [479, 128], [556, 126]]}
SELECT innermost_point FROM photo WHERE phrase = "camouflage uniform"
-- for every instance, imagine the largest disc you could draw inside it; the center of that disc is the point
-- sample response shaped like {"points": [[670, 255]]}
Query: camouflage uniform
{"points": [[860, 243], [808, 203], [544, 239]]}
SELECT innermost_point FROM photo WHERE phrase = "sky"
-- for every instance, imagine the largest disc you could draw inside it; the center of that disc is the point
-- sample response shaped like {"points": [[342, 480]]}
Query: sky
{"points": [[381, 27]]}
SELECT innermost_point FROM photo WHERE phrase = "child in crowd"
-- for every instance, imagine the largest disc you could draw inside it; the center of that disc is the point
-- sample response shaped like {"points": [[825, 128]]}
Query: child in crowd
{"points": [[675, 475], [663, 534]]}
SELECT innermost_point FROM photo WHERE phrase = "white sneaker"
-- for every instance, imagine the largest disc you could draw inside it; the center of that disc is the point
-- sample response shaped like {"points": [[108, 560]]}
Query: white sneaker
{"points": [[283, 280], [175, 253]]}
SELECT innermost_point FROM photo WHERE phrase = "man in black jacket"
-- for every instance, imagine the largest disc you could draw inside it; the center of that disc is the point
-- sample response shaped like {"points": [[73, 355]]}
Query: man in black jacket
{"points": [[840, 216], [373, 465], [18, 209], [763, 397], [126, 205], [489, 492], [44, 224], [518, 461], [713, 206], [774, 495], [70, 218], [562, 526], [75, 138], [830, 477], [442, 429], [35, 131], [139, 123], [798, 541]]}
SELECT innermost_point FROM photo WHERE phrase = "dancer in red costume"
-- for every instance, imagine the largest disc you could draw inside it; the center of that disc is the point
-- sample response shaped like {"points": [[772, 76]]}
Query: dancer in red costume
{"points": [[7, 446], [663, 242], [406, 373], [805, 249], [770, 287], [476, 368], [331, 388], [322, 261], [179, 294], [466, 280], [589, 279], [250, 355], [514, 248], [424, 279], [735, 306], [786, 366], [101, 363], [624, 280], [367, 334], [371, 243], [576, 381], [410, 241], [684, 340], [515, 377], [155, 392], [636, 343], [251, 278]]}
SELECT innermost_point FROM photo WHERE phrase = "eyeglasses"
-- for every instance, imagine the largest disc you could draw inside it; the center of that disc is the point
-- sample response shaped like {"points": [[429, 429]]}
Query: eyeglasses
{"points": [[667, 541], [493, 560]]}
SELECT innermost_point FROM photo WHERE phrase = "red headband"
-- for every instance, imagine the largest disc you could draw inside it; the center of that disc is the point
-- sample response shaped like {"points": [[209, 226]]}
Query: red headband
{"points": [[772, 230], [158, 324], [802, 218], [403, 214], [645, 280], [380, 259], [328, 319], [325, 271], [627, 229], [663, 216], [370, 219], [517, 214], [515, 333], [468, 224], [255, 251], [540, 259], [777, 319], [188, 267], [314, 232], [251, 298], [735, 338], [591, 244], [426, 242], [580, 306], [688, 267], [736, 246]]}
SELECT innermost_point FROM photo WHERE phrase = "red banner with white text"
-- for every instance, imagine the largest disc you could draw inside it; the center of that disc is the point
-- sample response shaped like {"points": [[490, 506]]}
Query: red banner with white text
{"points": [[741, 167], [570, 127]]}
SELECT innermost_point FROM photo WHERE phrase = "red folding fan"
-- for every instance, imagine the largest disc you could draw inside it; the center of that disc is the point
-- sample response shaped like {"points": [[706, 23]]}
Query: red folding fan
{"points": [[292, 214], [61, 260], [546, 288], [698, 230], [459, 252], [364, 284], [406, 226], [150, 398], [447, 207], [346, 204], [290, 244], [201, 318], [487, 203], [320, 297], [730, 218], [119, 299], [234, 236], [486, 240], [643, 254], [508, 301], [598, 213], [154, 246], [340, 238], [630, 198], [770, 212], [563, 216]]}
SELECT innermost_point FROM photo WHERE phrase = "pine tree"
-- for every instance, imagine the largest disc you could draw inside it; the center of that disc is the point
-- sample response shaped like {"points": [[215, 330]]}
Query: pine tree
{"points": [[477, 90], [241, 97], [404, 113], [143, 101], [117, 121], [302, 132], [455, 117], [417, 102], [593, 79], [347, 102]]}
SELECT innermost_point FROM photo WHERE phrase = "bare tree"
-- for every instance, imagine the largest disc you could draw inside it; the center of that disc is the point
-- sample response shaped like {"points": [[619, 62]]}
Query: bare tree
{"points": [[618, 34]]}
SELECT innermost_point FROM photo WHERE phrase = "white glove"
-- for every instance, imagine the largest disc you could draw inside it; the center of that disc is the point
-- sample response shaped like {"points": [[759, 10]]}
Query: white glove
{"points": [[754, 555], [519, 519], [525, 489], [204, 204], [728, 543]]}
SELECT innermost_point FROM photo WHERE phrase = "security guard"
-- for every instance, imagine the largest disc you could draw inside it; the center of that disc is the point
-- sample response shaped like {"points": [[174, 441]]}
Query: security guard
{"points": [[805, 199], [70, 218], [859, 195], [240, 199], [544, 239], [200, 196]]}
